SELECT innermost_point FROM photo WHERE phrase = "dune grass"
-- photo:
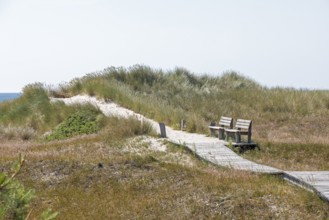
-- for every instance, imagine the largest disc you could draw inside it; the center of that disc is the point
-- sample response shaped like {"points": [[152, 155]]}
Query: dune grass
{"points": [[113, 173], [97, 177], [280, 115], [298, 157], [33, 111]]}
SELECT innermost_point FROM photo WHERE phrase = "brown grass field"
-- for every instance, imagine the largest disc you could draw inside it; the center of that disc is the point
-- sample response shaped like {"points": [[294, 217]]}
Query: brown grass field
{"points": [[97, 177]]}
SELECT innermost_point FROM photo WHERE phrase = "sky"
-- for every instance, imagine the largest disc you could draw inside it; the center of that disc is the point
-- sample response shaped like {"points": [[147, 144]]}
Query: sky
{"points": [[275, 42]]}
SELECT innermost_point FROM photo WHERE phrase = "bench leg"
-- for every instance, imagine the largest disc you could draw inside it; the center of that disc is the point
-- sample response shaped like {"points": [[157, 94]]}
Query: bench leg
{"points": [[212, 132], [249, 138], [237, 138], [227, 136], [221, 134]]}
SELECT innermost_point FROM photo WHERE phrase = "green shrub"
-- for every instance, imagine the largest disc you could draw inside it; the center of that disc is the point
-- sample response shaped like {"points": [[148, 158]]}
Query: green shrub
{"points": [[82, 122], [15, 199]]}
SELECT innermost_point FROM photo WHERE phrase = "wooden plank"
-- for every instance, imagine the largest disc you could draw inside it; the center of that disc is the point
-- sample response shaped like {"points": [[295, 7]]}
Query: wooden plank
{"points": [[231, 130], [218, 154], [244, 120], [226, 121], [240, 144], [226, 118], [242, 123], [215, 127], [318, 181], [162, 130], [228, 124]]}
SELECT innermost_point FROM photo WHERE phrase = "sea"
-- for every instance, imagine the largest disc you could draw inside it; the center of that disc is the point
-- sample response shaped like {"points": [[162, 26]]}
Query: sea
{"points": [[9, 96]]}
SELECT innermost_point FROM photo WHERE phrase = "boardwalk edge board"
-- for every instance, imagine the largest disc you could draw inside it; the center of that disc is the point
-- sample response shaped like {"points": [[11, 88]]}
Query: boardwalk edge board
{"points": [[301, 183]]}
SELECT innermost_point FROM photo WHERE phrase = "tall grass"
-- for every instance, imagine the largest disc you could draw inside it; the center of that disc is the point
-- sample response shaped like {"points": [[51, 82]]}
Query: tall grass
{"points": [[33, 111], [112, 175], [279, 114]]}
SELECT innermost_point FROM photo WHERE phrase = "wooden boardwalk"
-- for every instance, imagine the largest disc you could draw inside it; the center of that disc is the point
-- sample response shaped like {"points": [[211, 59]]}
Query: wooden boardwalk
{"points": [[318, 181], [215, 151], [220, 155]]}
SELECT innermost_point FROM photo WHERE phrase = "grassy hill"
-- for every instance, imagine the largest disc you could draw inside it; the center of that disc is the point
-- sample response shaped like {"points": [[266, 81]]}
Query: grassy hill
{"points": [[280, 115], [88, 166], [290, 125]]}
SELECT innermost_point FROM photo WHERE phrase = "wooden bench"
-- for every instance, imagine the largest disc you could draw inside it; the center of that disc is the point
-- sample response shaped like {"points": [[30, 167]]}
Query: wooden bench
{"points": [[224, 122], [242, 127]]}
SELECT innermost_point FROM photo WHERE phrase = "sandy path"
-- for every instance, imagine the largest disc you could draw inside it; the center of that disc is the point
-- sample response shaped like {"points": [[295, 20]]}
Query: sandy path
{"points": [[112, 109]]}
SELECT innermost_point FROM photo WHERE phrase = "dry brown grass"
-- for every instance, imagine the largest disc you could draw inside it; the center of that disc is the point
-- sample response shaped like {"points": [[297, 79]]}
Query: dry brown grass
{"points": [[16, 133], [93, 177], [311, 129], [112, 175], [291, 156]]}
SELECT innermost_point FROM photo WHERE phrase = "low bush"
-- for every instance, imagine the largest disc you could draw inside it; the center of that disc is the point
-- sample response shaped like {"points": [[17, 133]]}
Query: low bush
{"points": [[82, 122], [15, 198]]}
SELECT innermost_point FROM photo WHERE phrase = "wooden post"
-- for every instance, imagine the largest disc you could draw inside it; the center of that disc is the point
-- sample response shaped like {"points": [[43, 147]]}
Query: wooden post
{"points": [[212, 131], [162, 130], [182, 124]]}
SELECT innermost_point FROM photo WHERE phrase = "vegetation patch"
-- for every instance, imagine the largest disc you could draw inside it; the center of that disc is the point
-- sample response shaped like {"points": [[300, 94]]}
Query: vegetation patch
{"points": [[112, 174], [15, 198], [122, 184], [278, 114], [81, 122], [295, 117], [299, 157], [14, 133]]}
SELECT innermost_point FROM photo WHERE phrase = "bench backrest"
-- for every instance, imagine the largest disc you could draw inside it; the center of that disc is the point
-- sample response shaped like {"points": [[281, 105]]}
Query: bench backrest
{"points": [[226, 122], [243, 124]]}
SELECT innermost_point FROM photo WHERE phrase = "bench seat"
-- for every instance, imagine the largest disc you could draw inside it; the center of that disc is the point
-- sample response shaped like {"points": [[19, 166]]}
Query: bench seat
{"points": [[215, 127], [236, 131]]}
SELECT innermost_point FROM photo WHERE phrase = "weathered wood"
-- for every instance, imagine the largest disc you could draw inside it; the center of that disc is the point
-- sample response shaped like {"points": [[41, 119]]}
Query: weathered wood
{"points": [[217, 153], [242, 127], [162, 130], [224, 122], [317, 181], [182, 125]]}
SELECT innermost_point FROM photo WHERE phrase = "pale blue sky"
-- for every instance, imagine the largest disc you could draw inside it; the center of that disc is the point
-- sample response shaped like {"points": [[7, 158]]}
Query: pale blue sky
{"points": [[276, 42]]}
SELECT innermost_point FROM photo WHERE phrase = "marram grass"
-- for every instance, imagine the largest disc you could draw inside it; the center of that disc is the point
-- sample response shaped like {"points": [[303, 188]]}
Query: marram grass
{"points": [[112, 174]]}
